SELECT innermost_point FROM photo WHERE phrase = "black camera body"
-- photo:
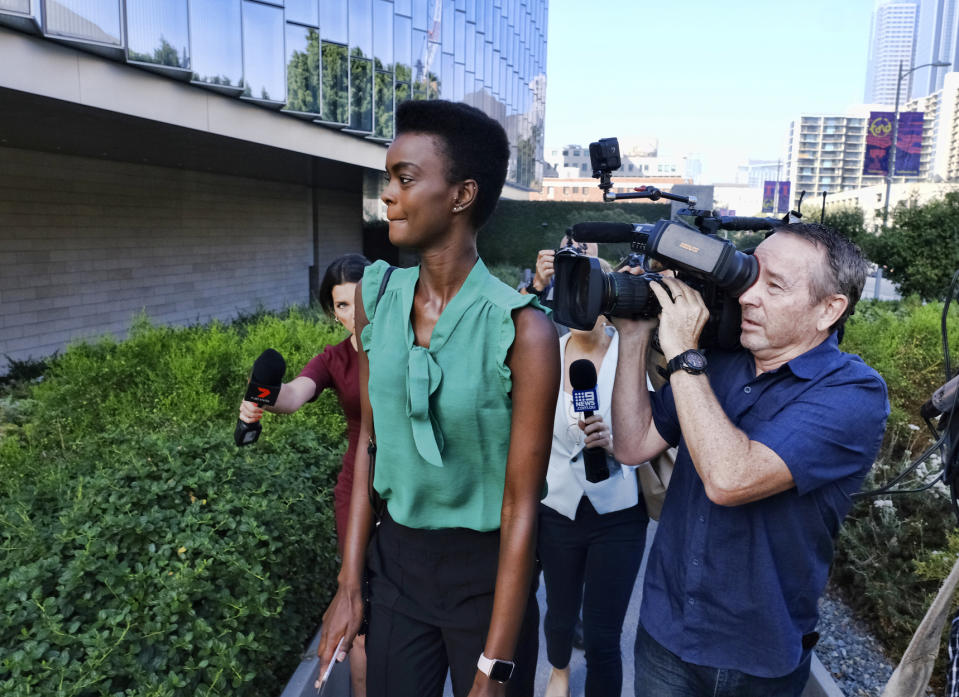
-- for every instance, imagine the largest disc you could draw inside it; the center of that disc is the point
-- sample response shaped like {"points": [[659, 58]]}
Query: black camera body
{"points": [[695, 253]]}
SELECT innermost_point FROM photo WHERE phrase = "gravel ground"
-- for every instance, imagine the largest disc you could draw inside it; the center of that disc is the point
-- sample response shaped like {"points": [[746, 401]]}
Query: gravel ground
{"points": [[849, 652]]}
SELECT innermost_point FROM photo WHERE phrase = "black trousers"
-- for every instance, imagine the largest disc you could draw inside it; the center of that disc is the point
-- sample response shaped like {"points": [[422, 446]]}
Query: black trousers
{"points": [[591, 561], [431, 596]]}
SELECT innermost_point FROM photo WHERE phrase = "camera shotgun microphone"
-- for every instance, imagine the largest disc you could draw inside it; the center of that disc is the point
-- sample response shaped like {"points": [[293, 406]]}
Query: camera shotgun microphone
{"points": [[263, 389], [582, 378], [942, 401], [604, 232]]}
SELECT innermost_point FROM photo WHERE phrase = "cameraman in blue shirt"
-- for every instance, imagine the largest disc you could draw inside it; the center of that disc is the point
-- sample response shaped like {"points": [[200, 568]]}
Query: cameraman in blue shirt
{"points": [[774, 439]]}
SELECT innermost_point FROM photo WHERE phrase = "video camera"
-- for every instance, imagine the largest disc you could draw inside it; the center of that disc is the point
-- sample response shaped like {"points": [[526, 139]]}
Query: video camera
{"points": [[699, 256]]}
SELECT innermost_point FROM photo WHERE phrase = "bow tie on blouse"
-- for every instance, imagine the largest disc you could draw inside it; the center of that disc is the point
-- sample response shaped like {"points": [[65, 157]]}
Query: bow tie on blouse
{"points": [[423, 377]]}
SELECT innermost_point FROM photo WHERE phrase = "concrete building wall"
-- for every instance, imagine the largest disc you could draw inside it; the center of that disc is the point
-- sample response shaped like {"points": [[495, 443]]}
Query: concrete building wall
{"points": [[85, 244]]}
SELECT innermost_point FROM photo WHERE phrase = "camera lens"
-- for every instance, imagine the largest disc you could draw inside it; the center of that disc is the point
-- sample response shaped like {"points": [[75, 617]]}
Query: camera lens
{"points": [[630, 296]]}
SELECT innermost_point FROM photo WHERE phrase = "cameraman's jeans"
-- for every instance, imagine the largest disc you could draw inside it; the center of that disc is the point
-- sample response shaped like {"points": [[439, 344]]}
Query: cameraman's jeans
{"points": [[661, 673], [592, 561]]}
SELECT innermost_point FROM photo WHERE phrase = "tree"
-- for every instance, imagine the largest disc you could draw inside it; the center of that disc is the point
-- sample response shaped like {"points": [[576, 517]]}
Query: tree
{"points": [[921, 249], [303, 77]]}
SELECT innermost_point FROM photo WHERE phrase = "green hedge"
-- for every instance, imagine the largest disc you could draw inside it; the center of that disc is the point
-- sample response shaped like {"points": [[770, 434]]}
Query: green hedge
{"points": [[519, 229], [143, 553], [894, 550]]}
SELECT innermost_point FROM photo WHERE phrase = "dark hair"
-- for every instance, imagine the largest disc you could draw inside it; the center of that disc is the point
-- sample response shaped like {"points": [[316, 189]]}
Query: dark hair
{"points": [[845, 272], [345, 269], [475, 146]]}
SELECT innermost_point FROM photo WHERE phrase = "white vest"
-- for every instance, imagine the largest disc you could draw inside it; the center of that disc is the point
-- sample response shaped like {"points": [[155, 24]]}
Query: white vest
{"points": [[566, 476]]}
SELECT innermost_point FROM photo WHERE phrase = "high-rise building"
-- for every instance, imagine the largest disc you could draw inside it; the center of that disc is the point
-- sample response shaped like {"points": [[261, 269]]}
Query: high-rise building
{"points": [[891, 42], [937, 41], [939, 156], [826, 153], [200, 158]]}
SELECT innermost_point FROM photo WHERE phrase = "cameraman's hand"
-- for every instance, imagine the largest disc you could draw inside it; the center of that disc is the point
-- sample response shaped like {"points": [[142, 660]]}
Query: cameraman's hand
{"points": [[629, 328], [544, 269], [683, 317]]}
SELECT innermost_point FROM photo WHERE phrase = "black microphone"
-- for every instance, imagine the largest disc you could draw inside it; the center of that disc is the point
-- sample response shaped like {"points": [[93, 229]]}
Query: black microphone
{"points": [[942, 401], [263, 389], [582, 378], [603, 232]]}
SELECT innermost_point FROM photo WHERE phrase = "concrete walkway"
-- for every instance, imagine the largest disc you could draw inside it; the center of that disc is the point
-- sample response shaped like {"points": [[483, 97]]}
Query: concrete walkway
{"points": [[820, 683]]}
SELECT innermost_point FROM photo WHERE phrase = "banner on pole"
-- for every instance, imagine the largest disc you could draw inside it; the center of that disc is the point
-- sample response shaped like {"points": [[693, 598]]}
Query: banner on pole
{"points": [[783, 197], [769, 195], [878, 143], [908, 144]]}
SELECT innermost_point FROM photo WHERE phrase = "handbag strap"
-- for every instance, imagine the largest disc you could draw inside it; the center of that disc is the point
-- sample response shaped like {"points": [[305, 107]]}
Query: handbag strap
{"points": [[376, 502]]}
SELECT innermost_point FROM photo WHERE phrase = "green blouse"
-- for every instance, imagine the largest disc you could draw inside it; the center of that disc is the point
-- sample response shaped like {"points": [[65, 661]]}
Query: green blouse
{"points": [[441, 414]]}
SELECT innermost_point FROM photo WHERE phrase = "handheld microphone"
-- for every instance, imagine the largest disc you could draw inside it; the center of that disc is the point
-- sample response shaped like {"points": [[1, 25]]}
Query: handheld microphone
{"points": [[942, 401], [582, 378], [263, 389]]}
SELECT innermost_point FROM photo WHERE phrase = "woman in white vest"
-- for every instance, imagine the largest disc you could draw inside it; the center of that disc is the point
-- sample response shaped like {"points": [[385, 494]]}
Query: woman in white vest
{"points": [[591, 535]]}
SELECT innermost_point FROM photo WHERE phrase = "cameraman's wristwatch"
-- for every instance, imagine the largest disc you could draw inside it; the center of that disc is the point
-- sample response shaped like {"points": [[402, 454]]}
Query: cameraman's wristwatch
{"points": [[495, 669], [691, 361]]}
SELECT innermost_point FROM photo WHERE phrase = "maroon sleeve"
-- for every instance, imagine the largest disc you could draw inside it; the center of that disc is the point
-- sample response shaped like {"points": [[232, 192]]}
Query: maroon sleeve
{"points": [[318, 370]]}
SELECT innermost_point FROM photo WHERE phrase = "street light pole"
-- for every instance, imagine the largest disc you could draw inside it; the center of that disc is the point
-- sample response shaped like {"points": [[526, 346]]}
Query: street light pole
{"points": [[892, 153]]}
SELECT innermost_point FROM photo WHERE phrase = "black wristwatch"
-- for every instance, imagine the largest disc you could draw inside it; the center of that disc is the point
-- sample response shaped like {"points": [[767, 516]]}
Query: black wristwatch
{"points": [[495, 669], [531, 289], [692, 361]]}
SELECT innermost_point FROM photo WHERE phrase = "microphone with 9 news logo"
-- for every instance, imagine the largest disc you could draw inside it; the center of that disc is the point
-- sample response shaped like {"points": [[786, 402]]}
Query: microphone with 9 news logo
{"points": [[263, 389], [582, 378]]}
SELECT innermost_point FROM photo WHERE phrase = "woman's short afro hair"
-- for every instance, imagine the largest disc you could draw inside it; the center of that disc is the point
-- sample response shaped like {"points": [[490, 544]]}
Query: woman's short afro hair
{"points": [[476, 146]]}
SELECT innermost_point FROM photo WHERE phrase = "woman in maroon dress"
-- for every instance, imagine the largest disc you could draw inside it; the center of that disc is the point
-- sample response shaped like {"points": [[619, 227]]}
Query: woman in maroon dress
{"points": [[337, 368]]}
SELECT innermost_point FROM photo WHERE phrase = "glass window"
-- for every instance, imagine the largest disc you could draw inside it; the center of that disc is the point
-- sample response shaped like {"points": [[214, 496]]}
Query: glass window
{"points": [[459, 37], [333, 21], [263, 59], [487, 64], [459, 82], [402, 91], [470, 10], [403, 7], [90, 20], [302, 69], [420, 15], [446, 26], [361, 28], [420, 55], [361, 92], [470, 46], [403, 48], [335, 90], [216, 49], [384, 105], [446, 77], [460, 5], [19, 6], [496, 73], [383, 35], [478, 63], [303, 12], [158, 33]]}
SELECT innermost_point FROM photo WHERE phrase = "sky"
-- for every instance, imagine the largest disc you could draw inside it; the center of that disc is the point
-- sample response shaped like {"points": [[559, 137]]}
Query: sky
{"points": [[720, 80]]}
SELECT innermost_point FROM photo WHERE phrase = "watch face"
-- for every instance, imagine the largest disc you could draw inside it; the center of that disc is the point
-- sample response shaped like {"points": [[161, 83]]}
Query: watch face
{"points": [[694, 360], [501, 671]]}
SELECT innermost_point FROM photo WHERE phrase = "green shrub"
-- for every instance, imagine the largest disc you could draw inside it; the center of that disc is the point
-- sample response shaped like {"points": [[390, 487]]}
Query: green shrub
{"points": [[902, 340], [143, 553], [894, 550], [517, 230]]}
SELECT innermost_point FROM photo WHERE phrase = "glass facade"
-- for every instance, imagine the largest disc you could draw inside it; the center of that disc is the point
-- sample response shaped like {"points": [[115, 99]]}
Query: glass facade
{"points": [[344, 63]]}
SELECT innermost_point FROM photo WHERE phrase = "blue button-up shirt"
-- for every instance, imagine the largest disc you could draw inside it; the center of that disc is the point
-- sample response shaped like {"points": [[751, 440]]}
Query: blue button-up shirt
{"points": [[737, 587]]}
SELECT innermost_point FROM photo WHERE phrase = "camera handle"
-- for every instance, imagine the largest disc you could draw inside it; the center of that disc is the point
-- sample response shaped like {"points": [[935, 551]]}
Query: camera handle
{"points": [[650, 192]]}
